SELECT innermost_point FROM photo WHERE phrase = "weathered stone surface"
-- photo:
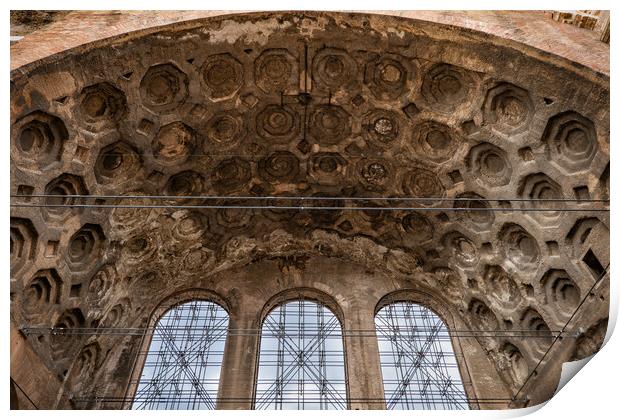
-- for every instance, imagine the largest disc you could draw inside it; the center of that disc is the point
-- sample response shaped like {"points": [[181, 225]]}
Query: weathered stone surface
{"points": [[309, 105]]}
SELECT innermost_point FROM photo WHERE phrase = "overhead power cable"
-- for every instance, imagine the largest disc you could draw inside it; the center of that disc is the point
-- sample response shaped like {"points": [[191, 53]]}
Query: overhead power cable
{"points": [[555, 340], [304, 198], [136, 331], [312, 208], [316, 203]]}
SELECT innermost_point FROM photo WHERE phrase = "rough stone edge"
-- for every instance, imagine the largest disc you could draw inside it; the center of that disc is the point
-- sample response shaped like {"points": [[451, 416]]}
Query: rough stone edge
{"points": [[601, 78]]}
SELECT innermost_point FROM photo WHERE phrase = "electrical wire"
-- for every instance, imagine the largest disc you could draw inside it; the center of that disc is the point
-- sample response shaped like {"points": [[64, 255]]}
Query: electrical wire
{"points": [[25, 394], [234, 200], [310, 208], [306, 198], [531, 374], [56, 331]]}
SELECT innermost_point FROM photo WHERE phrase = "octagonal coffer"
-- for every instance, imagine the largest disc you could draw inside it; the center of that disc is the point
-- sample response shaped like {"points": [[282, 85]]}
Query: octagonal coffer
{"points": [[190, 226], [185, 183], [333, 69], [508, 108], [571, 140], [501, 286], [477, 210], [59, 192], [101, 106], [482, 316], [536, 326], [417, 228], [387, 76], [231, 175], [540, 187], [382, 128], [435, 141], [561, 291], [101, 283], [489, 164], [85, 246], [174, 143], [222, 75], [375, 174], [517, 365], [279, 166], [163, 87], [329, 124], [43, 290], [38, 137], [445, 87], [327, 168], [449, 282], [461, 248], [201, 259], [520, 247], [61, 344], [139, 248], [277, 70], [86, 364], [24, 239], [117, 162], [128, 219], [422, 183], [278, 123], [224, 131], [116, 314]]}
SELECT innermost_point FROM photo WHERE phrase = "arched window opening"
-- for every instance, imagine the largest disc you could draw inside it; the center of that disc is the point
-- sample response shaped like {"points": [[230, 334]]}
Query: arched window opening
{"points": [[301, 364], [184, 359], [419, 367]]}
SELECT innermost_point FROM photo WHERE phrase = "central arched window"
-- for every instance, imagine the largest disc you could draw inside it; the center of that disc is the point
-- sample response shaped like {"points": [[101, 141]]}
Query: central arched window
{"points": [[301, 364], [184, 359], [418, 363]]}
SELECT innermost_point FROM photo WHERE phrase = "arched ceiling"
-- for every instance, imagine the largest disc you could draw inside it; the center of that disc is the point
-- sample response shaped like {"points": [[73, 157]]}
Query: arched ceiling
{"points": [[311, 105]]}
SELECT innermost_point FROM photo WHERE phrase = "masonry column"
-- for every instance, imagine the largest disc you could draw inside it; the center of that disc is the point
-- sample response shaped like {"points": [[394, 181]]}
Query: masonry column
{"points": [[240, 356], [362, 357]]}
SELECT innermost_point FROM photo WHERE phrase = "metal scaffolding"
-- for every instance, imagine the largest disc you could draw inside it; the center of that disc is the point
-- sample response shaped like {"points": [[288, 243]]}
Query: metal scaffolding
{"points": [[182, 367], [301, 363], [419, 368]]}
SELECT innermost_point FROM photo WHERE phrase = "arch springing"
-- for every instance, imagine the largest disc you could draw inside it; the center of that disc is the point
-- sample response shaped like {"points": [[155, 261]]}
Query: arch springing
{"points": [[418, 363], [184, 360]]}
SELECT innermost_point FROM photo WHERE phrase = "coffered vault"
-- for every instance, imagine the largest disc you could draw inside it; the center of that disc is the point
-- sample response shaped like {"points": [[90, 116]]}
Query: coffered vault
{"points": [[451, 167]]}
